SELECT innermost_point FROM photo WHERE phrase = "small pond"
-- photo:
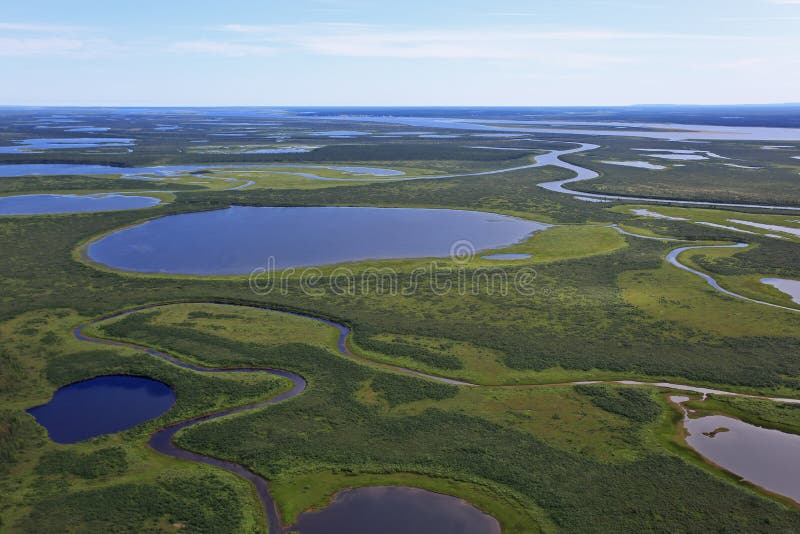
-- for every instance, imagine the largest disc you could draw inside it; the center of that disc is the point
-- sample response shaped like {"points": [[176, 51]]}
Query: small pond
{"points": [[765, 457], [793, 230], [397, 510], [789, 287], [679, 157], [102, 405], [638, 164], [41, 204], [240, 239]]}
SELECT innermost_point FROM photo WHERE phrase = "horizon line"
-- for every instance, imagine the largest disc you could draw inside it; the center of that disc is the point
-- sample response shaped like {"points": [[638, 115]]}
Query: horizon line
{"points": [[384, 106]]}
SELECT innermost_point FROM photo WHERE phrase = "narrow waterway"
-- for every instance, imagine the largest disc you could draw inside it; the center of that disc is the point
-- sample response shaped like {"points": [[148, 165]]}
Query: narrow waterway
{"points": [[582, 174], [672, 258], [162, 440]]}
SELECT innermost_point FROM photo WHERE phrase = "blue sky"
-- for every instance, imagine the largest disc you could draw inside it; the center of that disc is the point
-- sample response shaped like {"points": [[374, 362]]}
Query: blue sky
{"points": [[410, 52]]}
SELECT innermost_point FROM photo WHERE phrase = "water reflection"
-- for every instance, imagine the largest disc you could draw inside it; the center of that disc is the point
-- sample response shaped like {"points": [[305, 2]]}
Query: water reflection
{"points": [[397, 510], [768, 458], [42, 204], [239, 239]]}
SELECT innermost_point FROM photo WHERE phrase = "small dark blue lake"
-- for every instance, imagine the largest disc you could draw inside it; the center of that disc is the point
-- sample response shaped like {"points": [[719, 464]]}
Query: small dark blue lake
{"points": [[240, 239], [397, 510], [41, 204], [102, 405]]}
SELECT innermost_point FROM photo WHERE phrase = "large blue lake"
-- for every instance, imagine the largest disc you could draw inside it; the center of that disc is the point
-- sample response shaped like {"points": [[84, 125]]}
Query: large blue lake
{"points": [[102, 405], [40, 204], [239, 239]]}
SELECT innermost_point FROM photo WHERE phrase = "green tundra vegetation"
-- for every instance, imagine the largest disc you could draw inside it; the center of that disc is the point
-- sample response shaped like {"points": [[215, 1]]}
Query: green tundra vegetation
{"points": [[521, 444], [354, 420], [116, 481], [632, 403]]}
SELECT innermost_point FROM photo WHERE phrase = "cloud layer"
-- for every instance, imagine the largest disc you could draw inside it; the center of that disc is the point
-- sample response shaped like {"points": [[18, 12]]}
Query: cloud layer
{"points": [[347, 52]]}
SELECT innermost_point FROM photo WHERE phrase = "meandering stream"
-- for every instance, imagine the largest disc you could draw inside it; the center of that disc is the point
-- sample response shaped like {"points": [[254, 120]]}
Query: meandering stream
{"points": [[582, 174], [552, 158], [162, 440], [672, 258]]}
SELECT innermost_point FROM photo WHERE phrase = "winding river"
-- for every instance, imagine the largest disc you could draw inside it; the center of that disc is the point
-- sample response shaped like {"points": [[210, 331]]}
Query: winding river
{"points": [[552, 158], [672, 258], [162, 439], [582, 174]]}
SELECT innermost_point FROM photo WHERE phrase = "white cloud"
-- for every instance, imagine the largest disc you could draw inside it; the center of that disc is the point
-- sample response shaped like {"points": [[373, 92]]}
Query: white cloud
{"points": [[39, 28], [300, 32], [10, 47], [360, 40], [51, 40], [224, 49]]}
